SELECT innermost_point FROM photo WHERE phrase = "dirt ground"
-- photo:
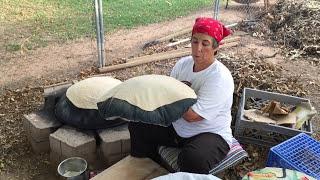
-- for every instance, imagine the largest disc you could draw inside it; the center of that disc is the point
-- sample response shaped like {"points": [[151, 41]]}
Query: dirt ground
{"points": [[20, 73], [58, 62]]}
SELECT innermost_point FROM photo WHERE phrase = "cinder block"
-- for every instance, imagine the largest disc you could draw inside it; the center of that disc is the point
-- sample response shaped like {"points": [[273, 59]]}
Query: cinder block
{"points": [[55, 160], [111, 148], [70, 142], [112, 159], [115, 143], [39, 147], [55, 145], [38, 126], [126, 146], [68, 151], [41, 125]]}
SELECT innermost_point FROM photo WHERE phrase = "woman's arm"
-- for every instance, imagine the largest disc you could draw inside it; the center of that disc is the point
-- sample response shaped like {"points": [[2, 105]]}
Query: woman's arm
{"points": [[191, 116]]}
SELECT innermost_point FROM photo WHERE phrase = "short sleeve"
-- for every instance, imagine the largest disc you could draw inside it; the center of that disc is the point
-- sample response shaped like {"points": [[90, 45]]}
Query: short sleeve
{"points": [[212, 99], [176, 69]]}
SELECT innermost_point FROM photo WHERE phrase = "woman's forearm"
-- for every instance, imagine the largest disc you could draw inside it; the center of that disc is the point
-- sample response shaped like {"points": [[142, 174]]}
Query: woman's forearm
{"points": [[191, 116]]}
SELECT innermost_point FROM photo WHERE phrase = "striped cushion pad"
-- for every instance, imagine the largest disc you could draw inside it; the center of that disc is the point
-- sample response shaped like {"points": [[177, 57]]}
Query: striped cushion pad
{"points": [[170, 157]]}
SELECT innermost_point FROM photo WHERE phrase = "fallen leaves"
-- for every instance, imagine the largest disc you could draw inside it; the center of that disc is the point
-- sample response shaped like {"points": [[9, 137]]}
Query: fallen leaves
{"points": [[13, 142], [294, 24], [248, 70]]}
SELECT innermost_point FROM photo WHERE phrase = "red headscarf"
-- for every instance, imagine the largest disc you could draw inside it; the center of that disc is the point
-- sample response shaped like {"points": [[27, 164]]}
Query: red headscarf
{"points": [[211, 27]]}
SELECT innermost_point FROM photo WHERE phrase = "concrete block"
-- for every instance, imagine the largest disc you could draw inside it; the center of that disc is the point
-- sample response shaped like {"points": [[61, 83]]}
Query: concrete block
{"points": [[115, 141], [37, 146], [40, 147], [126, 154], [126, 146], [55, 160], [55, 145], [86, 147], [68, 151], [111, 148], [41, 125], [38, 126], [70, 142], [112, 159], [26, 125]]}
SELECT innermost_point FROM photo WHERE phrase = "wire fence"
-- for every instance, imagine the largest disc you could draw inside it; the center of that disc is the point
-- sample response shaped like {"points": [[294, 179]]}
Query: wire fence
{"points": [[234, 11], [36, 24], [238, 14], [29, 25]]}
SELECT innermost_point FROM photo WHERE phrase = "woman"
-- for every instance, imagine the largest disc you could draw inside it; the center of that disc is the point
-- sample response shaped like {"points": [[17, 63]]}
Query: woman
{"points": [[203, 132]]}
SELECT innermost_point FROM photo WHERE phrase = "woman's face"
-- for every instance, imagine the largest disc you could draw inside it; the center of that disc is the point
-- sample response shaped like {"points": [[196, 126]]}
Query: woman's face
{"points": [[202, 48]]}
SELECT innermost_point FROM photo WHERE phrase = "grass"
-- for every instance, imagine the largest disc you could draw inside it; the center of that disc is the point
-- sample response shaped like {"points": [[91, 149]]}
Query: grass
{"points": [[30, 24]]}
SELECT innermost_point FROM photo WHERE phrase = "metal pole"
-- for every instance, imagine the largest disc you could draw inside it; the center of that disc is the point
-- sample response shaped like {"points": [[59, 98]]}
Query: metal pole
{"points": [[102, 34], [96, 7], [216, 9]]}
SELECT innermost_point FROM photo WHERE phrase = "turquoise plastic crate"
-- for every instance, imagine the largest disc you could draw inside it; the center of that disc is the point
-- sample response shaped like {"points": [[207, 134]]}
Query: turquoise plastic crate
{"points": [[301, 153]]}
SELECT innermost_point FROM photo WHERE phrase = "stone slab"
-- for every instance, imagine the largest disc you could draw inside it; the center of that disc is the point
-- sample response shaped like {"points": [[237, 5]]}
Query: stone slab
{"points": [[133, 169]]}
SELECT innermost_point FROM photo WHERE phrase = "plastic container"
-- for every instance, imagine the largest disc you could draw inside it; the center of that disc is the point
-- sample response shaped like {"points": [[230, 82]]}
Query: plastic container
{"points": [[301, 153], [264, 134]]}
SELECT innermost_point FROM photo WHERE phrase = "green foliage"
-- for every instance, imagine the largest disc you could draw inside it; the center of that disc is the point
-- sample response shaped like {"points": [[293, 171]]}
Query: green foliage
{"points": [[11, 47], [131, 13]]}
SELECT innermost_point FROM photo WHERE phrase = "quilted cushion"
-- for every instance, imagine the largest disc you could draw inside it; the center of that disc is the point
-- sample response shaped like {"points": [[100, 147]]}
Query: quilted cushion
{"points": [[153, 99], [78, 106], [86, 93], [170, 157]]}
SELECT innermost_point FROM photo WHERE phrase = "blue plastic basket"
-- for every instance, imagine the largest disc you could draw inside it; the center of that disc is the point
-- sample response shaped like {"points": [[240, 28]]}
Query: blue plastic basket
{"points": [[301, 153]]}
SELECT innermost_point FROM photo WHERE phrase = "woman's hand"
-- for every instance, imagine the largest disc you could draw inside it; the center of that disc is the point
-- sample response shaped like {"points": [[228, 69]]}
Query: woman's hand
{"points": [[191, 116]]}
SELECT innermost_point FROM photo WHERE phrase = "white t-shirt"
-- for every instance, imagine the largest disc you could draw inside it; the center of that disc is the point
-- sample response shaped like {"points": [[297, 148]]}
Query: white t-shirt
{"points": [[214, 88]]}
